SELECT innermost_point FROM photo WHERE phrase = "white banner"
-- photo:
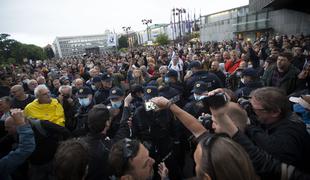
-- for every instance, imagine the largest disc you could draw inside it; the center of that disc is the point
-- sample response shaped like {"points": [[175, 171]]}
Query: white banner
{"points": [[111, 40]]}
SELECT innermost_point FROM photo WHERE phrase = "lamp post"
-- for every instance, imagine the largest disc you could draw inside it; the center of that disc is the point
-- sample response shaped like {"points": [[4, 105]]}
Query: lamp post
{"points": [[126, 29], [178, 12], [147, 22]]}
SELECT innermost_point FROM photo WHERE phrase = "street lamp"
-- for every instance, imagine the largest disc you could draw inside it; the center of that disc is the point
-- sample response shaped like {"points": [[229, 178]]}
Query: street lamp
{"points": [[126, 29], [178, 12], [147, 22]]}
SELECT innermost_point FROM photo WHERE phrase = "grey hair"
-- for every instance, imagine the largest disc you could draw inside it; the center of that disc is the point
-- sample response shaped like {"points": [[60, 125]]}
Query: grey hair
{"points": [[39, 88], [64, 87], [31, 80]]}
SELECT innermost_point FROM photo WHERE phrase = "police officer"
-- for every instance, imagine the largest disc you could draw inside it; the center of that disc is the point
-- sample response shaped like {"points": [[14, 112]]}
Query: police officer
{"points": [[85, 98], [137, 97], [116, 98], [250, 81], [158, 131], [102, 94], [195, 107], [198, 74]]}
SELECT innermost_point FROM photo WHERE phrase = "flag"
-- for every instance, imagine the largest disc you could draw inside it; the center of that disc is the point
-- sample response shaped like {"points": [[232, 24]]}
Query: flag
{"points": [[111, 40]]}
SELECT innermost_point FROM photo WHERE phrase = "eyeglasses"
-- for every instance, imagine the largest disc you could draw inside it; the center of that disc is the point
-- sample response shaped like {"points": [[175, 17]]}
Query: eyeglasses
{"points": [[207, 144]]}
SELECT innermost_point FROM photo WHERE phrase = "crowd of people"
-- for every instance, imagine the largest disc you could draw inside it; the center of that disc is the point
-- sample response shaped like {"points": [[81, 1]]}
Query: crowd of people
{"points": [[217, 110]]}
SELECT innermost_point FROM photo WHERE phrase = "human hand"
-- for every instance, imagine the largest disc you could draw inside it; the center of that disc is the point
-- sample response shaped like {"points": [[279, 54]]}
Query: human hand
{"points": [[160, 102], [222, 123], [128, 100], [18, 116], [163, 170]]}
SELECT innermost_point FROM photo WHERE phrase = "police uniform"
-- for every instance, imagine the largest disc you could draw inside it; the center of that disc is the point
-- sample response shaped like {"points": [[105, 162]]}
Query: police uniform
{"points": [[159, 132], [82, 115], [115, 92], [101, 95], [213, 82]]}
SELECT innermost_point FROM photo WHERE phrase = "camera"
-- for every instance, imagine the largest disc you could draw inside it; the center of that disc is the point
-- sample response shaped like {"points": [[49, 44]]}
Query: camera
{"points": [[206, 121], [247, 106], [216, 101], [150, 106]]}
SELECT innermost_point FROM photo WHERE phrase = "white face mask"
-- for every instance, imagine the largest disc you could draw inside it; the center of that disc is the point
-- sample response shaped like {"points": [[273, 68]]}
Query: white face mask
{"points": [[116, 104], [198, 97], [242, 80], [250, 66], [84, 101]]}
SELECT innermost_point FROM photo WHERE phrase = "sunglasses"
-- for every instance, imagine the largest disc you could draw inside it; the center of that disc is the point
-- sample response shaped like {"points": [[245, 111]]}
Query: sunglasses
{"points": [[207, 143]]}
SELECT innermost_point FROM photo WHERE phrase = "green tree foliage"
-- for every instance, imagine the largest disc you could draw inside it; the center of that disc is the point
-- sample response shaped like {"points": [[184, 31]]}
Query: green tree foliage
{"points": [[12, 51], [162, 39], [49, 51], [123, 42]]}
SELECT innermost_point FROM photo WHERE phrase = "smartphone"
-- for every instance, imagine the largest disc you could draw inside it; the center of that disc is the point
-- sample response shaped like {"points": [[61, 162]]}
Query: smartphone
{"points": [[150, 106]]}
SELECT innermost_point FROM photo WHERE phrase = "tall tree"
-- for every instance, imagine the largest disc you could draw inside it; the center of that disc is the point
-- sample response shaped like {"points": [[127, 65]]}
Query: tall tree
{"points": [[162, 39], [123, 42]]}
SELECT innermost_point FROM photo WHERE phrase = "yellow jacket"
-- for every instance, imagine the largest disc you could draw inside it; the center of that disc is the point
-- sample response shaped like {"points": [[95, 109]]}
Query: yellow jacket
{"points": [[52, 112]]}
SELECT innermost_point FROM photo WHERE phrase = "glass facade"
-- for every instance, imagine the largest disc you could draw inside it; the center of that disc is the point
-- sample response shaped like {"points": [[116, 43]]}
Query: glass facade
{"points": [[77, 45]]}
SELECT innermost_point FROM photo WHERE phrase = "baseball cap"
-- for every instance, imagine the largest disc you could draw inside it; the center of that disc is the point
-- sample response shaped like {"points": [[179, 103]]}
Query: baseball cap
{"points": [[96, 79], [200, 87], [106, 77], [150, 92], [116, 92], [250, 72], [196, 64], [172, 73], [84, 92], [303, 101]]}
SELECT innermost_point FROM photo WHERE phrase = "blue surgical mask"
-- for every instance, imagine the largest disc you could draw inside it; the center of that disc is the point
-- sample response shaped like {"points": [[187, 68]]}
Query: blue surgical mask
{"points": [[166, 79], [84, 102], [116, 104], [198, 97]]}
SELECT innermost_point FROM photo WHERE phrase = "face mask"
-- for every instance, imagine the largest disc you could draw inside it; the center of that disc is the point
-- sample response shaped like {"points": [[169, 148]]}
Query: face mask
{"points": [[26, 81], [238, 73], [93, 87], [250, 66], [166, 79], [198, 97], [116, 104], [242, 80], [84, 102]]}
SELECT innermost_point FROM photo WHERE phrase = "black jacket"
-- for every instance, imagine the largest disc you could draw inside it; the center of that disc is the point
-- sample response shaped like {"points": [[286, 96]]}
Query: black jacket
{"points": [[286, 140], [264, 164], [101, 96], [211, 79]]}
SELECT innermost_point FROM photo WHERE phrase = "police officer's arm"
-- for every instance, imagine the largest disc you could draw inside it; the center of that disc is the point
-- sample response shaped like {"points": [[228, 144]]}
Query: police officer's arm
{"points": [[189, 121]]}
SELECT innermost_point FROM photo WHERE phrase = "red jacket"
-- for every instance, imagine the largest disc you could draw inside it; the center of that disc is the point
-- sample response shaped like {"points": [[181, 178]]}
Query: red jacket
{"points": [[231, 67]]}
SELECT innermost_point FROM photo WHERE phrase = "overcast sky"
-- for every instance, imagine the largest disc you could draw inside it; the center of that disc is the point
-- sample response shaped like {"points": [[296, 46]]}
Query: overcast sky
{"points": [[40, 21]]}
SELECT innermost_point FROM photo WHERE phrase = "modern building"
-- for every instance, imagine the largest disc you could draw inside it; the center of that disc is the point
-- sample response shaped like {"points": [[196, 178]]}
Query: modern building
{"points": [[257, 18], [78, 45]]}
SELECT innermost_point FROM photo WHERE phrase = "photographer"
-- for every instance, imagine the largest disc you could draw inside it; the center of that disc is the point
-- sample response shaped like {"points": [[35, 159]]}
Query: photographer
{"points": [[269, 137], [208, 163]]}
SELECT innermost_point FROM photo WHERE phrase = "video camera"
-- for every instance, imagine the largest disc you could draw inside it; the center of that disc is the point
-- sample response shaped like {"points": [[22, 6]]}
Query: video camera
{"points": [[245, 103], [216, 101]]}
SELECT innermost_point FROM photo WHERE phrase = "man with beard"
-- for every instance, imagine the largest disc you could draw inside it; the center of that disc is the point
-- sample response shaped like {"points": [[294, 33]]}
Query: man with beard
{"points": [[280, 132], [283, 74]]}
